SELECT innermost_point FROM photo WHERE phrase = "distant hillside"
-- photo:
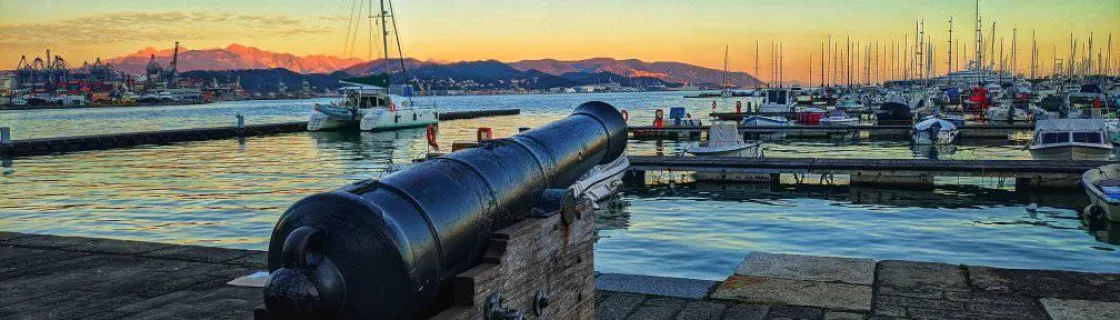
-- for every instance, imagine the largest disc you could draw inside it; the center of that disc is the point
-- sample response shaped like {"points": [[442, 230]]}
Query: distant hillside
{"points": [[269, 79], [232, 57], [667, 71]]}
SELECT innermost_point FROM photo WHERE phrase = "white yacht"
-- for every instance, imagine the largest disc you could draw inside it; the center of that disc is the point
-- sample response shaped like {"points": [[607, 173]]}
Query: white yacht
{"points": [[1070, 139], [724, 140], [370, 108], [933, 130], [756, 121]]}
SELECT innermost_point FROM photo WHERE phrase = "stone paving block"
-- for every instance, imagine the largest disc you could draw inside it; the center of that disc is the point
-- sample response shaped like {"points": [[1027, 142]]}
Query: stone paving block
{"points": [[921, 276], [117, 246], [795, 313], [746, 312], [1081, 309], [1023, 311], [828, 295], [833, 315], [198, 253], [659, 286], [646, 312], [882, 301], [802, 267], [1048, 283], [931, 314], [702, 310], [617, 305], [46, 242], [256, 259], [5, 235]]}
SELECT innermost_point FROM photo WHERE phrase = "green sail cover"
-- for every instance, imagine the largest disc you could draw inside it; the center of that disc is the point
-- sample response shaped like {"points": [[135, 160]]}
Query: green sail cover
{"points": [[380, 80]]}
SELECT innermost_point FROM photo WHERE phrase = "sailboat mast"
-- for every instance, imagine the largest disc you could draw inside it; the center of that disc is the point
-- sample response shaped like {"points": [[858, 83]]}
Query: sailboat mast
{"points": [[1014, 51], [950, 64], [724, 82], [384, 35]]}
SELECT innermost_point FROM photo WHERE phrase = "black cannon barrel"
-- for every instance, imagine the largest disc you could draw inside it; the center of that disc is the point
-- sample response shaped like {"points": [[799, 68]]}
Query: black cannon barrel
{"points": [[388, 248]]}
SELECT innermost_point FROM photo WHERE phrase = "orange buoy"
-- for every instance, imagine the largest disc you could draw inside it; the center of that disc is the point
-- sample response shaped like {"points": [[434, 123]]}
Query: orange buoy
{"points": [[738, 106], [658, 118]]}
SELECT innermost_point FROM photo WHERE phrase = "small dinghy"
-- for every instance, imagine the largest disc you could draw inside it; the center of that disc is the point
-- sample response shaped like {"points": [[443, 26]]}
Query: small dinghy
{"points": [[934, 131], [724, 140], [756, 122], [839, 118], [1102, 184]]}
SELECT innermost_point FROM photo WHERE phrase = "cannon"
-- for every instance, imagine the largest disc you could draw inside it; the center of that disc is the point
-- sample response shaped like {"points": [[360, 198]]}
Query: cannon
{"points": [[389, 248]]}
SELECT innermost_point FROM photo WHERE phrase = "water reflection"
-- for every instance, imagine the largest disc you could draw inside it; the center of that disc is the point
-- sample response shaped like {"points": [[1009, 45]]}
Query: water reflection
{"points": [[933, 152], [942, 197], [1102, 229]]}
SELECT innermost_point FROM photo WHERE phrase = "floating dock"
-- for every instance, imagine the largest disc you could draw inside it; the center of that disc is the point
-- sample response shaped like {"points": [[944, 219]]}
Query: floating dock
{"points": [[54, 277], [32, 147], [736, 116], [1028, 174], [809, 132]]}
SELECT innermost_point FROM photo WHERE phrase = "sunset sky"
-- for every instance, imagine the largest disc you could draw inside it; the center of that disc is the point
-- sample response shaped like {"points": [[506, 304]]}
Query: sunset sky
{"points": [[509, 30]]}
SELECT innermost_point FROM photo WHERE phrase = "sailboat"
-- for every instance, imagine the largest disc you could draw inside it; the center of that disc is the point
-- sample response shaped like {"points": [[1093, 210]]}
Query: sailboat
{"points": [[367, 103]]}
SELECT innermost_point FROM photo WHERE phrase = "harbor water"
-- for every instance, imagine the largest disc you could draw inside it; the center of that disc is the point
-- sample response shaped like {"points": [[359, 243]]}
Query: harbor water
{"points": [[228, 193]]}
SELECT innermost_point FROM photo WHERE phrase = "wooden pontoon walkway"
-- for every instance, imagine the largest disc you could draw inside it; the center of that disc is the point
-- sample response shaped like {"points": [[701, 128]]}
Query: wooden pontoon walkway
{"points": [[31, 147], [1027, 173]]}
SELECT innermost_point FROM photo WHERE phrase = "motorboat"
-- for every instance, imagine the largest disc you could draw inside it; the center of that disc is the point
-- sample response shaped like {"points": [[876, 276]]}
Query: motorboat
{"points": [[1102, 184], [810, 116], [757, 122], [1070, 139], [602, 181], [934, 130], [1006, 111], [893, 113], [839, 118], [370, 108], [850, 104], [724, 140], [777, 100]]}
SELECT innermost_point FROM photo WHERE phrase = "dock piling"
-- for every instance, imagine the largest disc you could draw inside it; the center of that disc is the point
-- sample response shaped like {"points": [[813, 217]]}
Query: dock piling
{"points": [[5, 136]]}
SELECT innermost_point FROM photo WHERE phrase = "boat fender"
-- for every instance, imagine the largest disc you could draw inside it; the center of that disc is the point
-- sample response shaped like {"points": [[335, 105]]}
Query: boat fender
{"points": [[658, 118], [485, 132], [432, 137], [738, 106], [625, 115], [713, 105]]}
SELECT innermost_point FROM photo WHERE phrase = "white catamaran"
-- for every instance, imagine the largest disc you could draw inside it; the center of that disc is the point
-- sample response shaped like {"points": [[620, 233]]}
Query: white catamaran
{"points": [[367, 103]]}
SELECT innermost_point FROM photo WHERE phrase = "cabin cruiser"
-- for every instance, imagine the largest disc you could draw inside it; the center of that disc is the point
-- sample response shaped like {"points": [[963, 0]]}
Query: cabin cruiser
{"points": [[934, 130], [1102, 184], [837, 118], [850, 104], [724, 140], [756, 122], [370, 108], [1070, 139], [1013, 112], [777, 100]]}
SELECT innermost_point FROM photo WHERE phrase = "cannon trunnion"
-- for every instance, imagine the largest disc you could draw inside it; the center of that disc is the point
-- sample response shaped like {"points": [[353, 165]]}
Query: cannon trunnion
{"points": [[395, 248]]}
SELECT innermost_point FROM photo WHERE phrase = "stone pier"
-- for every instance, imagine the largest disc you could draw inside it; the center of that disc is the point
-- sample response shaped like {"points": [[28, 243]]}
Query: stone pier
{"points": [[53, 277]]}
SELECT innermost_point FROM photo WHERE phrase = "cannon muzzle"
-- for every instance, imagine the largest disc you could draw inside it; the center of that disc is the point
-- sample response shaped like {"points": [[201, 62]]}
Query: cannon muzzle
{"points": [[389, 248]]}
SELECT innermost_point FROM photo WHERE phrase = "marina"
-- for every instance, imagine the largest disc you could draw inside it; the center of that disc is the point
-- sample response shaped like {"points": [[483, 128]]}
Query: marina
{"points": [[522, 165]]}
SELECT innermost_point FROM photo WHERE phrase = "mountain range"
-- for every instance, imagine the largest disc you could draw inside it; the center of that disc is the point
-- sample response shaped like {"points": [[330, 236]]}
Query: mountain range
{"points": [[544, 71]]}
